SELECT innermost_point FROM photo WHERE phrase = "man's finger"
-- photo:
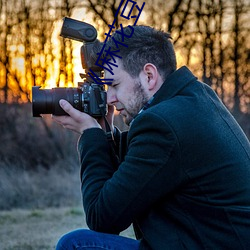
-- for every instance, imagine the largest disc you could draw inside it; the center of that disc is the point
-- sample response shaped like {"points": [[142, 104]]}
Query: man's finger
{"points": [[68, 108]]}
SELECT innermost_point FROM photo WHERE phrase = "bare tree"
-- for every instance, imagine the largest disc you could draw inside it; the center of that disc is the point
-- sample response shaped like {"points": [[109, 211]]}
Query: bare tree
{"points": [[239, 53], [66, 8], [215, 32], [103, 11], [4, 56]]}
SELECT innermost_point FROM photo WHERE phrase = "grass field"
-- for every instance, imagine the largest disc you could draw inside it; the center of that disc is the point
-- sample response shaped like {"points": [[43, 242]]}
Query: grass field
{"points": [[40, 229]]}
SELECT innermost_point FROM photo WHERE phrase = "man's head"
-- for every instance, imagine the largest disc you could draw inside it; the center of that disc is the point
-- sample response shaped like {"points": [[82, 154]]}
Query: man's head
{"points": [[146, 45], [145, 63]]}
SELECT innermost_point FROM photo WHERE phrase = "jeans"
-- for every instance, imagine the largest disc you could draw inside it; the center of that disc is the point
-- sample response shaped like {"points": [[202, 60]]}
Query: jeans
{"points": [[87, 239]]}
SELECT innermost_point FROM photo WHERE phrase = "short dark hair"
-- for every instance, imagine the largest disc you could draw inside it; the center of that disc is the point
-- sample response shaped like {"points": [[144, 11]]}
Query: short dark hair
{"points": [[146, 45]]}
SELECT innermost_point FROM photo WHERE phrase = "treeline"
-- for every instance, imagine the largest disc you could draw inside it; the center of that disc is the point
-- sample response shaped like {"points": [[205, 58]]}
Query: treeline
{"points": [[211, 37], [38, 159]]}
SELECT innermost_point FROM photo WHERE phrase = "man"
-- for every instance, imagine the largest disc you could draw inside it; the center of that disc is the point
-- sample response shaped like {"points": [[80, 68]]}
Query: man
{"points": [[183, 178]]}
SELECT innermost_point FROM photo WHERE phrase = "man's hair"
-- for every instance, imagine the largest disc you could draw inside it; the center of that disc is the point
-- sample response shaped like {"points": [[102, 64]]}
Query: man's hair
{"points": [[146, 45]]}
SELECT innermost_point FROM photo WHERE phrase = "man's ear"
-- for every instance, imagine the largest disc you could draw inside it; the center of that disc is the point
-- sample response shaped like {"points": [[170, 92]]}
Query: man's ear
{"points": [[152, 75]]}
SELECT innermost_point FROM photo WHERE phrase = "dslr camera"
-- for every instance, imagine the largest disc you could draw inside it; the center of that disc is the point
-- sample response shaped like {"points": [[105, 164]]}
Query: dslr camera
{"points": [[89, 97]]}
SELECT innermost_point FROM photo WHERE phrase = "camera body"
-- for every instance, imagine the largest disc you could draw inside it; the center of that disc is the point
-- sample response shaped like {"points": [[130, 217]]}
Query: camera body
{"points": [[89, 97], [89, 102]]}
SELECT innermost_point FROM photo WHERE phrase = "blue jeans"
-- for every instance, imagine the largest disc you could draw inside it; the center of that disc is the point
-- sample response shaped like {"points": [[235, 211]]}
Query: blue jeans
{"points": [[87, 239]]}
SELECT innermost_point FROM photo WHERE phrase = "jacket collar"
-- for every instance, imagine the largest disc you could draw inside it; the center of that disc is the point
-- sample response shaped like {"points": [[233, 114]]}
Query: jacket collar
{"points": [[173, 84]]}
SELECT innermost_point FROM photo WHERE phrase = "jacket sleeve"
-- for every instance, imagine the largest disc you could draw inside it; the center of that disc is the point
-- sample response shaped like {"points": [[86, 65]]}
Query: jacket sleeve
{"points": [[113, 199]]}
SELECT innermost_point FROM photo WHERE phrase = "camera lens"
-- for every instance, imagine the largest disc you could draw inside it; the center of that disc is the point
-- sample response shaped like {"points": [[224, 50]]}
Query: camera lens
{"points": [[46, 101]]}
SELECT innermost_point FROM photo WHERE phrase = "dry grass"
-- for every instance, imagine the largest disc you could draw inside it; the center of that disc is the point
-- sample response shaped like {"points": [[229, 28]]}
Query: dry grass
{"points": [[40, 229], [41, 188]]}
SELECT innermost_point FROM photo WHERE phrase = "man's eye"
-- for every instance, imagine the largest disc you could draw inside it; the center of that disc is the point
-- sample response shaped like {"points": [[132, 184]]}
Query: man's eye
{"points": [[114, 85]]}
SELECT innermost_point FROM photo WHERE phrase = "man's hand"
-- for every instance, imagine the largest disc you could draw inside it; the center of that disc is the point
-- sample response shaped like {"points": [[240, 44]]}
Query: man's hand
{"points": [[76, 121]]}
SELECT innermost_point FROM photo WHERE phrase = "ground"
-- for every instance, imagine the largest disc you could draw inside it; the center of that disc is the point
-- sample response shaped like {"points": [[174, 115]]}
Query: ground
{"points": [[40, 229]]}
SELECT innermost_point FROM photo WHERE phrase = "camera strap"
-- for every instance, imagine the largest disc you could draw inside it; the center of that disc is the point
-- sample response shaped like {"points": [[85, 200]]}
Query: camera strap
{"points": [[109, 133]]}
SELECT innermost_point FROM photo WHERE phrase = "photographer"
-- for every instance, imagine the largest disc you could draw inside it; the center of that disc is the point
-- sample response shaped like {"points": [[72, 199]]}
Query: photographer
{"points": [[183, 173]]}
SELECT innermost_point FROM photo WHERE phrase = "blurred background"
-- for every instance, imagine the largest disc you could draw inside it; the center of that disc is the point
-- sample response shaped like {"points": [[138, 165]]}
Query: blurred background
{"points": [[38, 159]]}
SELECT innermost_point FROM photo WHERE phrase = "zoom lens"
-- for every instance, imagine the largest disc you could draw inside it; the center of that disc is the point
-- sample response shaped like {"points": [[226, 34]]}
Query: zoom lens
{"points": [[46, 101]]}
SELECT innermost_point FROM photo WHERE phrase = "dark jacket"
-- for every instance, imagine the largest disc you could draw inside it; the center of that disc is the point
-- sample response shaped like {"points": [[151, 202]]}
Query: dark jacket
{"points": [[185, 179]]}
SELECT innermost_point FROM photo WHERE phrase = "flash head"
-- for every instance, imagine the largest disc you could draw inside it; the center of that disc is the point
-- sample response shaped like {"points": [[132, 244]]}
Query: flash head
{"points": [[77, 30]]}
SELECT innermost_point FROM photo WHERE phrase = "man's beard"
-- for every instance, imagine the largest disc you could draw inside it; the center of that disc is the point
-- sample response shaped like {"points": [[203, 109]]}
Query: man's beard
{"points": [[136, 102]]}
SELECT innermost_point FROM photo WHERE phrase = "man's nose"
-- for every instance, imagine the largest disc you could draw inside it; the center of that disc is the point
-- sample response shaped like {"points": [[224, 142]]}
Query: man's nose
{"points": [[111, 97]]}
